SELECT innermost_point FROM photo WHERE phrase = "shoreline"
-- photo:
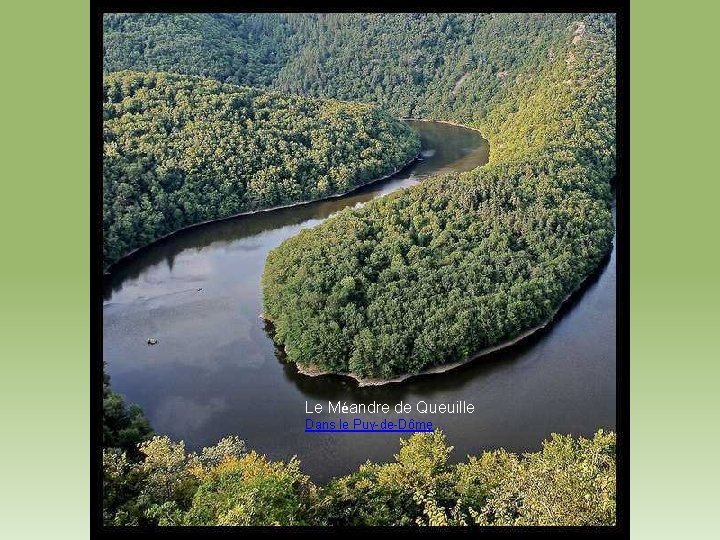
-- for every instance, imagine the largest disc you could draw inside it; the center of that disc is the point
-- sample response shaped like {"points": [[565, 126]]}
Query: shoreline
{"points": [[312, 371], [131, 254], [449, 122]]}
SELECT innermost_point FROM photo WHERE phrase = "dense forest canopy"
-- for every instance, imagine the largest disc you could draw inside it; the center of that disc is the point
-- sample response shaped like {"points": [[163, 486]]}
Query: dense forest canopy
{"points": [[433, 274], [180, 150], [242, 48], [439, 65], [569, 482]]}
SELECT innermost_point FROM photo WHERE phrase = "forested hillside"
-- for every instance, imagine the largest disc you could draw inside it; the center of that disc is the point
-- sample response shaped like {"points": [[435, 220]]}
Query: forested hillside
{"points": [[180, 150], [433, 274], [440, 66], [244, 48], [444, 66]]}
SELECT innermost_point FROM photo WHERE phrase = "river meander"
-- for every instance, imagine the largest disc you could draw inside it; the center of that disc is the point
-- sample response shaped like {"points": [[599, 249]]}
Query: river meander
{"points": [[215, 371]]}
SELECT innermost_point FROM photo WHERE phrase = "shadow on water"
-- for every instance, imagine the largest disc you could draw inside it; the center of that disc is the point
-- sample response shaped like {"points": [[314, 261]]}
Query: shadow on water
{"points": [[218, 233]]}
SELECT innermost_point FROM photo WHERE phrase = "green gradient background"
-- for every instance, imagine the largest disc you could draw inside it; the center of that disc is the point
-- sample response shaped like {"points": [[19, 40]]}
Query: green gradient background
{"points": [[44, 275]]}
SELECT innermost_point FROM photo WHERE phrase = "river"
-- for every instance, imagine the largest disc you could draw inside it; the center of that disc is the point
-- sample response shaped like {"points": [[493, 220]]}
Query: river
{"points": [[215, 371]]}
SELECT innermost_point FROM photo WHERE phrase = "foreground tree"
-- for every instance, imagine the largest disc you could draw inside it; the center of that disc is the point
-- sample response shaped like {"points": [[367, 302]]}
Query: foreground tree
{"points": [[569, 482], [252, 491]]}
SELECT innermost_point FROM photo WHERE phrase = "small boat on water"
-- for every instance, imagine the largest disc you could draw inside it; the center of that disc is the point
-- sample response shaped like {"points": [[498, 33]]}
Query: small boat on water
{"points": [[152, 341]]}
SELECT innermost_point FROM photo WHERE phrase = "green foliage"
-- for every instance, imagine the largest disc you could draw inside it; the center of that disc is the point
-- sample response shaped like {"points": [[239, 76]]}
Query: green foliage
{"points": [[237, 48], [121, 487], [388, 492], [180, 150], [476, 480], [570, 482], [435, 273], [159, 487], [433, 65], [358, 499], [449, 66], [123, 426], [251, 491]]}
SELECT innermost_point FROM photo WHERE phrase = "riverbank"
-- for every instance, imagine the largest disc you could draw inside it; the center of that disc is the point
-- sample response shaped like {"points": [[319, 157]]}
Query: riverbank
{"points": [[314, 371], [448, 122], [133, 253]]}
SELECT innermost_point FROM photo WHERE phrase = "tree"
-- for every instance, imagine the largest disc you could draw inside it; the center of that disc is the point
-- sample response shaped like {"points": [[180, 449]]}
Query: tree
{"points": [[251, 491], [123, 426]]}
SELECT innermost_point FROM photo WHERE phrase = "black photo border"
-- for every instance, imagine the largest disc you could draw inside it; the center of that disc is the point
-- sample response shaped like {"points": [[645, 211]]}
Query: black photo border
{"points": [[622, 10]]}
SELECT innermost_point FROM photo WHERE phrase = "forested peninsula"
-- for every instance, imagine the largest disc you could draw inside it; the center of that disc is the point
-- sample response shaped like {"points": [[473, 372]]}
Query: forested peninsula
{"points": [[431, 275], [180, 150]]}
